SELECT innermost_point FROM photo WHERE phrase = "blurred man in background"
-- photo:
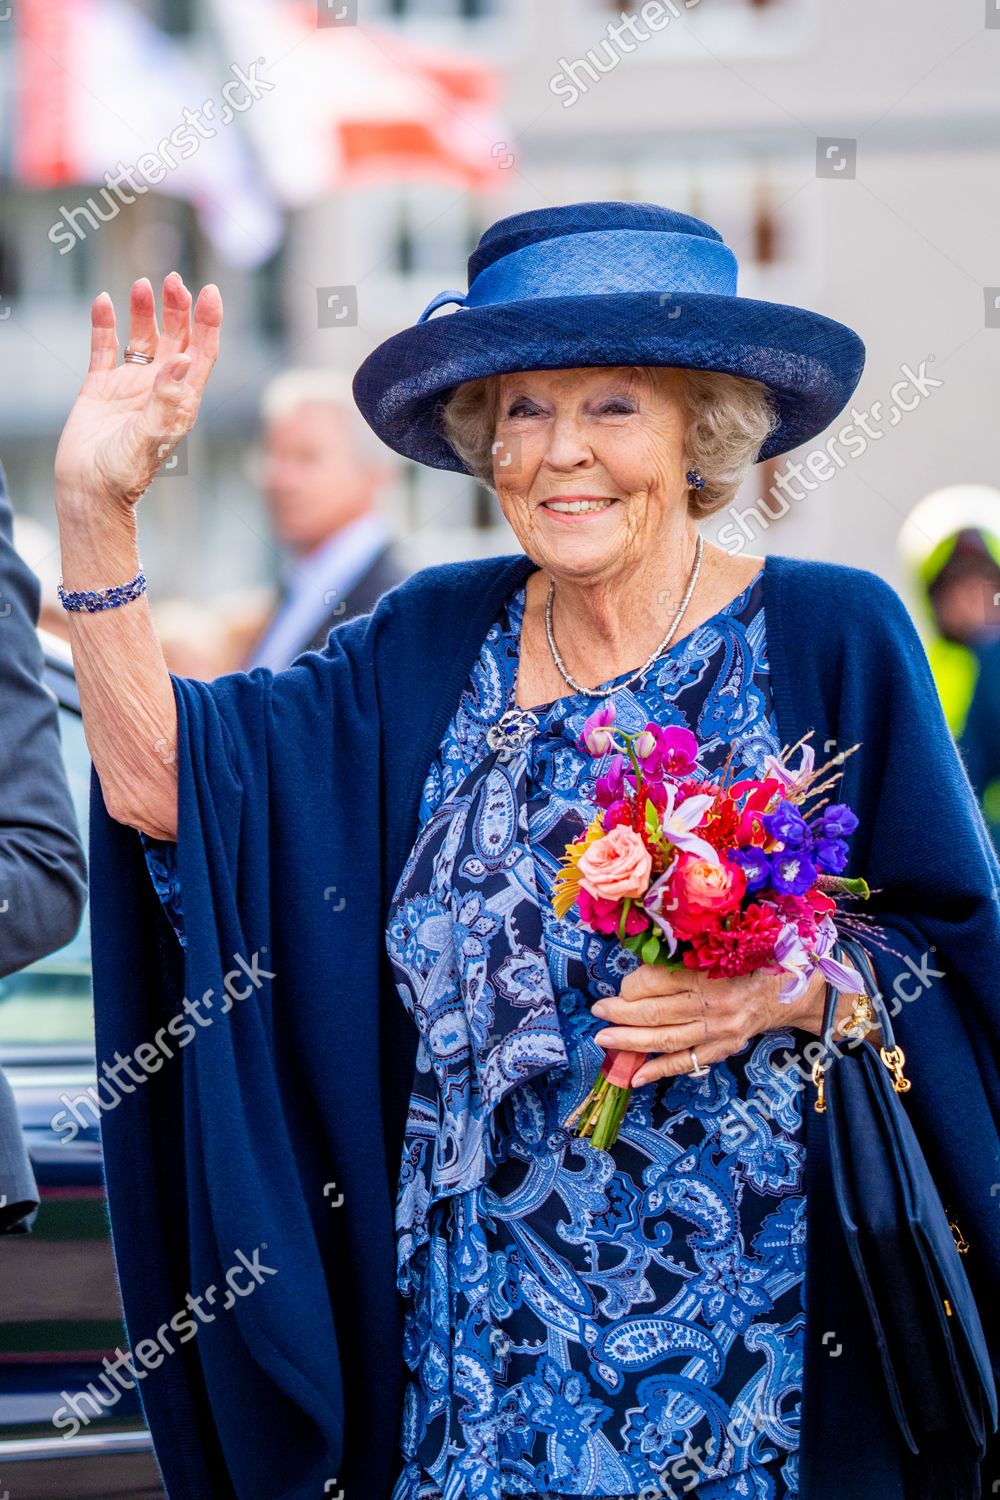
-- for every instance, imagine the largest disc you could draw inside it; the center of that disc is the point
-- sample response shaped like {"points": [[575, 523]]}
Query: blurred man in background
{"points": [[321, 470]]}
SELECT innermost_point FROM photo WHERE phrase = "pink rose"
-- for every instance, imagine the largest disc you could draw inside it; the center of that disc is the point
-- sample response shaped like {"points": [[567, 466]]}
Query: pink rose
{"points": [[701, 894], [616, 866]]}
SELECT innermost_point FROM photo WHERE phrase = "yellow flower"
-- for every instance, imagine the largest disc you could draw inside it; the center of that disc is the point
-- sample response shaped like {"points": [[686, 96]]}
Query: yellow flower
{"points": [[566, 886]]}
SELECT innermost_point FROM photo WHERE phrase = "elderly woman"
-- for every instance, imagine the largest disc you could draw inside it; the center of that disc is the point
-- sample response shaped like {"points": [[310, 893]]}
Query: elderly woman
{"points": [[352, 1073]]}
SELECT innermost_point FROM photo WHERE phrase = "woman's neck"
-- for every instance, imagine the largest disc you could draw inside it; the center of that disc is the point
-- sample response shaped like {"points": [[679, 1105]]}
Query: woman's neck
{"points": [[604, 627]]}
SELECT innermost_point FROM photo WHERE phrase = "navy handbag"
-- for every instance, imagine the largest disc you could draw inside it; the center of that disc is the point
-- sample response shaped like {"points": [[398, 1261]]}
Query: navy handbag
{"points": [[908, 1262]]}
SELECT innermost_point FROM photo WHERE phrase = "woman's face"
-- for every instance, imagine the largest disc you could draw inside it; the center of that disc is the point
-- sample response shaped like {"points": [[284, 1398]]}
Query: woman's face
{"points": [[612, 435]]}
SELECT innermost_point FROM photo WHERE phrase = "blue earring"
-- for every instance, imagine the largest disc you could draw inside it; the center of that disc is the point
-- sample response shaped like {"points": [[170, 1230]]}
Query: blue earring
{"points": [[695, 480]]}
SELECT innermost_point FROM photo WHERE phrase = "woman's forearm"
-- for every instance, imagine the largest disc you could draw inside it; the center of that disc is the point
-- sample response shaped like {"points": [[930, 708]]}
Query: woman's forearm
{"points": [[126, 696]]}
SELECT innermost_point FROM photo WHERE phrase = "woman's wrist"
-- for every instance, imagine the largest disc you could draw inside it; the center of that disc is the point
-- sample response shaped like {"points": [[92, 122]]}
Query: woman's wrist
{"points": [[813, 1010], [98, 543], [812, 1006]]}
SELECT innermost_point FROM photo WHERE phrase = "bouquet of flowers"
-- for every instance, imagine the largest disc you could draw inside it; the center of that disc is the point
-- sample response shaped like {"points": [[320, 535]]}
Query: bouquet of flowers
{"points": [[731, 876]]}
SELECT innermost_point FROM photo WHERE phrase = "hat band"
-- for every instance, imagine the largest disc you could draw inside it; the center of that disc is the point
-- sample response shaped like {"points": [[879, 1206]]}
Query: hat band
{"points": [[600, 262]]}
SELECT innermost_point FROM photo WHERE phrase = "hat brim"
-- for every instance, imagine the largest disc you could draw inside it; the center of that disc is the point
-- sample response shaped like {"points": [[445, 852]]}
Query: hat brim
{"points": [[811, 364]]}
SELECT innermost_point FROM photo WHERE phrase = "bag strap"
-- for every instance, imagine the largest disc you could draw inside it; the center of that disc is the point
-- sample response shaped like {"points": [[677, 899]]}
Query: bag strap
{"points": [[890, 1052], [859, 958]]}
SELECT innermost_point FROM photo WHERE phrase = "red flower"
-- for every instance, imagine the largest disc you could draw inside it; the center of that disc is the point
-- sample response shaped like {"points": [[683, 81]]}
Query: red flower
{"points": [[760, 795], [744, 944], [701, 895], [721, 826]]}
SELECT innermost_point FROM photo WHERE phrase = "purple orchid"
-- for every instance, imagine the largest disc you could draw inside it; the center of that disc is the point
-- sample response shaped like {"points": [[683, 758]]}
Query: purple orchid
{"points": [[596, 737], [801, 962], [669, 750], [794, 782], [610, 787]]}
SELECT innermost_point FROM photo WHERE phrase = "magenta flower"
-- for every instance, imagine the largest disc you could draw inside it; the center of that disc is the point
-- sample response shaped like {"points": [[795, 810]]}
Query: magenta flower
{"points": [[657, 794], [595, 736], [679, 748], [610, 787], [601, 915], [666, 751]]}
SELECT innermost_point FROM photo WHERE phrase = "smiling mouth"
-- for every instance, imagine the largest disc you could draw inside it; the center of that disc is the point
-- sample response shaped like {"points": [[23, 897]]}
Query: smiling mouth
{"points": [[579, 507]]}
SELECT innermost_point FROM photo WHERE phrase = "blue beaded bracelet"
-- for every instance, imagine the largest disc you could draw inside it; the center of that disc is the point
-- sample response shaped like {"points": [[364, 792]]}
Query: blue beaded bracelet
{"points": [[119, 593]]}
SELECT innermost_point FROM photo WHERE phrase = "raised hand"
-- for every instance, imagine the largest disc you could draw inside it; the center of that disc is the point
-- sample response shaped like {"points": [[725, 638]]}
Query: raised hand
{"points": [[128, 418]]}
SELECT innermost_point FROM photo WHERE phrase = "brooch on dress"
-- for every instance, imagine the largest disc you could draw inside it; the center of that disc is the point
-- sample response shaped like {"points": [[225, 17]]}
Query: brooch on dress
{"points": [[514, 730]]}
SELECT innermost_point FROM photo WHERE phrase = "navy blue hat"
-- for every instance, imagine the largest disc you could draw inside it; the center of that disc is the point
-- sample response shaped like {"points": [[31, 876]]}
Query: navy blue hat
{"points": [[606, 283]]}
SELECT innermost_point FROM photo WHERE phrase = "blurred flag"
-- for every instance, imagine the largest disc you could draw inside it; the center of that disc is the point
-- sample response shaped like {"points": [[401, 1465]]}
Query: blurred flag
{"points": [[100, 89], [354, 105]]}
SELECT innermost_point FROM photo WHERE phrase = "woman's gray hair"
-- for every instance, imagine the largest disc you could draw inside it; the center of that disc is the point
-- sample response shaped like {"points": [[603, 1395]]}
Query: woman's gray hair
{"points": [[730, 417]]}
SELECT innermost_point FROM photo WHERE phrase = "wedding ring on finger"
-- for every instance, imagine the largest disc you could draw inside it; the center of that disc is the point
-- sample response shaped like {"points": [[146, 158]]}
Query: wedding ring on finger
{"points": [[696, 1070], [137, 356]]}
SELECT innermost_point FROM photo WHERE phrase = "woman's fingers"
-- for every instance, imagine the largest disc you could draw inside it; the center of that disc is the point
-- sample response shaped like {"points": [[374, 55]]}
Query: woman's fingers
{"points": [[103, 338], [656, 979], [654, 1010], [204, 345], [176, 316], [169, 410], [674, 1064], [654, 1038], [143, 335]]}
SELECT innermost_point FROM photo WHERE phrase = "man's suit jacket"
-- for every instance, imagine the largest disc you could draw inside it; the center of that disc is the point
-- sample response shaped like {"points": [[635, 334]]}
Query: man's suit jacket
{"points": [[43, 871], [384, 572]]}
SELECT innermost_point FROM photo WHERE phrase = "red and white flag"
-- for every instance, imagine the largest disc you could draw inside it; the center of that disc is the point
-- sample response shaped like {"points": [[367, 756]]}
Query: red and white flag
{"points": [[101, 89], [357, 104], [109, 107]]}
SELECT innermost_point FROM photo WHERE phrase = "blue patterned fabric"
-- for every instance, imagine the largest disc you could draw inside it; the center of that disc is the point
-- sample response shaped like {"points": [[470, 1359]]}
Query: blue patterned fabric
{"points": [[579, 1322], [582, 1322], [162, 865]]}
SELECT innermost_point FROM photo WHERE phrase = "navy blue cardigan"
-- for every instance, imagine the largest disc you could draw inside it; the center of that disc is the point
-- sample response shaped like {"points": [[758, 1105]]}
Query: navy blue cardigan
{"points": [[275, 1127]]}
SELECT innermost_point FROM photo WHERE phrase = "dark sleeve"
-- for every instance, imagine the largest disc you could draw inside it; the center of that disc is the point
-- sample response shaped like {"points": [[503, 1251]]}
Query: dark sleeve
{"points": [[161, 862], [18, 1190], [42, 865], [924, 848], [225, 1149]]}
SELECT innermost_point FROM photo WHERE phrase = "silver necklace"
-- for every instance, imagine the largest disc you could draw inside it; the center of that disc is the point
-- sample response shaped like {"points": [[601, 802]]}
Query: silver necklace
{"points": [[678, 616], [516, 727]]}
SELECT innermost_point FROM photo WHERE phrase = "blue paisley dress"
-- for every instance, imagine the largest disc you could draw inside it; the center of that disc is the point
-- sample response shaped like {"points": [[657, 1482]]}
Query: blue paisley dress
{"points": [[580, 1322]]}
